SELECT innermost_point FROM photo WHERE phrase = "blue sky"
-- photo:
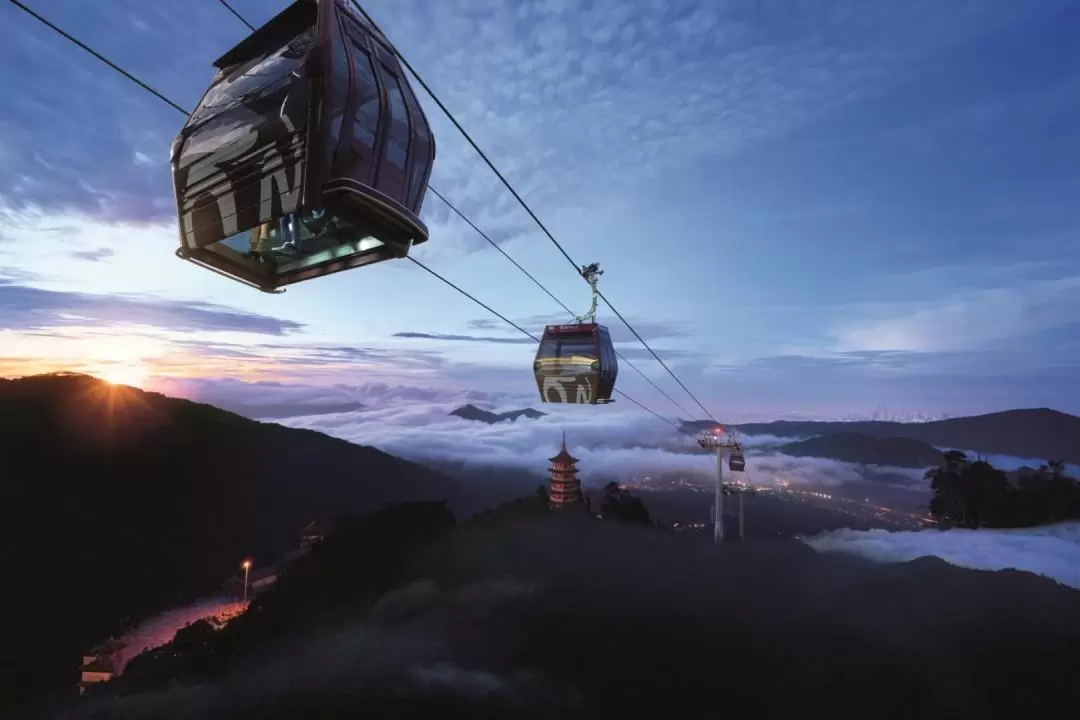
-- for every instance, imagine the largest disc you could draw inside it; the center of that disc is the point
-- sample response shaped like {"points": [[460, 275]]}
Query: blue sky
{"points": [[805, 207]]}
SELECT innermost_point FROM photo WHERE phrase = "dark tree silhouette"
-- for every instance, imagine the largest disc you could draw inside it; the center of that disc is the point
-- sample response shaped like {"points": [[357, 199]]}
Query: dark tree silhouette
{"points": [[345, 573], [533, 506], [976, 494], [620, 505], [559, 616]]}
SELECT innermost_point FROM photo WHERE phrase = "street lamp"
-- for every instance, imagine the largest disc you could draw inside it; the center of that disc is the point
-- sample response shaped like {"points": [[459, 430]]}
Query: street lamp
{"points": [[247, 567]]}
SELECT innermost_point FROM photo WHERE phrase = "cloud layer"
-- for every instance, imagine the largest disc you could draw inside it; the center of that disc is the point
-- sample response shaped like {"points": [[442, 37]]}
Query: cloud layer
{"points": [[25, 308], [548, 84], [1053, 551], [611, 442]]}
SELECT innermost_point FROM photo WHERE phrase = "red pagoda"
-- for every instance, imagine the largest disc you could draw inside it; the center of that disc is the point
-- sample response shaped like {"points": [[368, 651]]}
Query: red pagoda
{"points": [[564, 489]]}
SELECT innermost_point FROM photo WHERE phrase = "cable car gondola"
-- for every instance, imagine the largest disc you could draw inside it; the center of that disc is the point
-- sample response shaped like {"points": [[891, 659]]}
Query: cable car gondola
{"points": [[576, 363], [308, 155], [737, 460]]}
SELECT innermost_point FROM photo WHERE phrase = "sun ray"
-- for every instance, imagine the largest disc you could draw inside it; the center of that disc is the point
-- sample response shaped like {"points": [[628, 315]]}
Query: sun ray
{"points": [[132, 374]]}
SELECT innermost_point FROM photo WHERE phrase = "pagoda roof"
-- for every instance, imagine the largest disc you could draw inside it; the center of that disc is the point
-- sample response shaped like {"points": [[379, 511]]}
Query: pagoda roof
{"points": [[564, 455]]}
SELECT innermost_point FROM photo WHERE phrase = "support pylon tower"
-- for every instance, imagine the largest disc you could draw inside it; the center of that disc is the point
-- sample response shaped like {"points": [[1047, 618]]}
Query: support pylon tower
{"points": [[720, 441]]}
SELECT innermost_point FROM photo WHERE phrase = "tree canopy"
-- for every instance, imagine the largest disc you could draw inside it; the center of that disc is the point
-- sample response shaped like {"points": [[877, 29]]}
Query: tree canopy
{"points": [[620, 505], [976, 494]]}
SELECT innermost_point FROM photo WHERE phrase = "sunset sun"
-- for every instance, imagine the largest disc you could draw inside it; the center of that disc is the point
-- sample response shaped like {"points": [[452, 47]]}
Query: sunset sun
{"points": [[133, 374]]}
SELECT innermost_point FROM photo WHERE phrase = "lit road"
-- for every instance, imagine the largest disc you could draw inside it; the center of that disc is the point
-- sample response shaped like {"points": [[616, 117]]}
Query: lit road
{"points": [[161, 629]]}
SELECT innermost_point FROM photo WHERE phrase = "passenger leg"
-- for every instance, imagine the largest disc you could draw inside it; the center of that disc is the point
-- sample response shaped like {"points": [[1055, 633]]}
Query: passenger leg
{"points": [[291, 236], [259, 240]]}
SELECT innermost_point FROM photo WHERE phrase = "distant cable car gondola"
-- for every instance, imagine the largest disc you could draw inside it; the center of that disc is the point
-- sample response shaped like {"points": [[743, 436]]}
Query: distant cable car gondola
{"points": [[736, 460], [308, 155], [576, 363]]}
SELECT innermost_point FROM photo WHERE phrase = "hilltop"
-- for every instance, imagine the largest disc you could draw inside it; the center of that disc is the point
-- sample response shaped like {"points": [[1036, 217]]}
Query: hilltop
{"points": [[1031, 433], [529, 614], [471, 412], [117, 503], [858, 448]]}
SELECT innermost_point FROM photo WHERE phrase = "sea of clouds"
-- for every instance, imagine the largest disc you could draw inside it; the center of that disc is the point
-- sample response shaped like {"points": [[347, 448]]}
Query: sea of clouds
{"points": [[624, 441], [1053, 551], [620, 439]]}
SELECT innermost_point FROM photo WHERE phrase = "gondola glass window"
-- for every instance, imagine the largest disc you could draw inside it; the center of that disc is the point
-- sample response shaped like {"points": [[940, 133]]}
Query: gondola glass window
{"points": [[398, 143], [367, 116], [339, 90], [231, 107], [569, 347]]}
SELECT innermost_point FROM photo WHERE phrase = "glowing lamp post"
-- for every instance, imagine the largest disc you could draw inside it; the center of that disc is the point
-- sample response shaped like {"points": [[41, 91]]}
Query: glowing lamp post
{"points": [[247, 567]]}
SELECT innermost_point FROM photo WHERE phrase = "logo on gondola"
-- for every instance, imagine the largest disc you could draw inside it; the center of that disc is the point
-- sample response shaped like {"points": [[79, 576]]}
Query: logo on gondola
{"points": [[288, 192], [582, 388], [239, 204]]}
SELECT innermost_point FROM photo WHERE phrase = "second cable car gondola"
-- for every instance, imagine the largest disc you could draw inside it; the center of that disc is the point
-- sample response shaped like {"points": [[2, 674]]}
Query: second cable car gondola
{"points": [[737, 460], [308, 155], [576, 363]]}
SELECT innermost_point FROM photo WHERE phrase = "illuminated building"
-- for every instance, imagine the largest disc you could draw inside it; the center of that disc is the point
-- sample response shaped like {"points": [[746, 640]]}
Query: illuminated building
{"points": [[564, 489], [99, 664]]}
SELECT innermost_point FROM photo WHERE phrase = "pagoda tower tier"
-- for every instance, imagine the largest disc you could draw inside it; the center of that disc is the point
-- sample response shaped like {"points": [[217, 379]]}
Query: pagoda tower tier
{"points": [[564, 488]]}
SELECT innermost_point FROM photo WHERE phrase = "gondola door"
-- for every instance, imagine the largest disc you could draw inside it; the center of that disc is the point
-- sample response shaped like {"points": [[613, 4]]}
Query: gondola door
{"points": [[609, 365], [368, 188], [360, 137], [331, 78]]}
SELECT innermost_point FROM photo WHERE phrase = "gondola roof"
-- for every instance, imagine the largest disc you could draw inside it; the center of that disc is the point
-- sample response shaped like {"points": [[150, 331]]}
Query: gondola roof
{"points": [[277, 31]]}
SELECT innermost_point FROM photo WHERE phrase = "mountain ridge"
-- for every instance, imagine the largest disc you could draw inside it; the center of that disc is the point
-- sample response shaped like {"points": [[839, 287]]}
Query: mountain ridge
{"points": [[150, 501], [858, 448], [1041, 433], [471, 412]]}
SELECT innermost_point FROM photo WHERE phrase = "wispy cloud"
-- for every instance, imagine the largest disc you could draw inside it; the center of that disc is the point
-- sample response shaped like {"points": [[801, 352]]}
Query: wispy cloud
{"points": [[549, 85], [93, 255], [647, 329], [544, 86], [29, 308], [74, 135], [966, 321], [449, 337]]}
